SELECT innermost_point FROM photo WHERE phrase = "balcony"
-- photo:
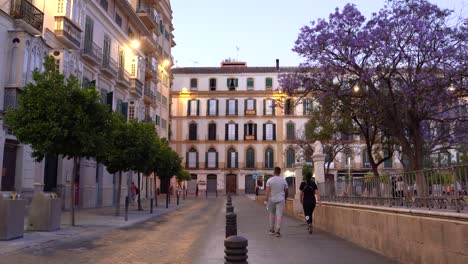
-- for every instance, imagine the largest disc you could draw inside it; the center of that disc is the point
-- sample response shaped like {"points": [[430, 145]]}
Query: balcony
{"points": [[68, 32], [123, 77], [92, 53], [149, 96], [148, 15], [27, 16], [136, 87], [151, 69], [109, 66], [147, 44]]}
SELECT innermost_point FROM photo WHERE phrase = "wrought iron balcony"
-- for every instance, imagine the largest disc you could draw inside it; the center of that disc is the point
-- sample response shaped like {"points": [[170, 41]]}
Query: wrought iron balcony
{"points": [[136, 87], [109, 66], [148, 15], [29, 17], [92, 53], [68, 32], [149, 96], [123, 77], [151, 69]]}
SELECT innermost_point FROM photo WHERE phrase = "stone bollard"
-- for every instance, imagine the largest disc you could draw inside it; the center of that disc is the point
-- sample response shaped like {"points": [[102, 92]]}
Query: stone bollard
{"points": [[229, 209], [235, 250], [126, 208], [231, 224], [151, 206]]}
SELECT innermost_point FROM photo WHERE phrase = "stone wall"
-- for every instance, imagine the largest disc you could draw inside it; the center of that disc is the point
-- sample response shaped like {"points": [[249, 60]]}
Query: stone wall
{"points": [[401, 234]]}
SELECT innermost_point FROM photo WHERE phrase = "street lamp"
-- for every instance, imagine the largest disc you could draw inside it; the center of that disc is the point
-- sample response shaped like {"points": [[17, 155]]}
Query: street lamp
{"points": [[356, 88], [135, 44], [166, 63]]}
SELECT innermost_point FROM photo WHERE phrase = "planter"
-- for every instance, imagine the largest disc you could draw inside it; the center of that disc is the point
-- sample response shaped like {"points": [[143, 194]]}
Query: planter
{"points": [[12, 213], [45, 213]]}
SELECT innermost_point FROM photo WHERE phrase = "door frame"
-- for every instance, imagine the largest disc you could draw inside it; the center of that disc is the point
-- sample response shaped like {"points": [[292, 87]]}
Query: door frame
{"points": [[226, 182]]}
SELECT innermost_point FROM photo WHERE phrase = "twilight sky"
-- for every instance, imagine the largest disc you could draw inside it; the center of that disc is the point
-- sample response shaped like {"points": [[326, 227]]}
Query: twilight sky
{"points": [[208, 31]]}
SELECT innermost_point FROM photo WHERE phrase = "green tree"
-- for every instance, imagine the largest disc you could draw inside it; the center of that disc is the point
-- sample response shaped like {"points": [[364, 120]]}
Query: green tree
{"points": [[57, 117], [170, 165]]}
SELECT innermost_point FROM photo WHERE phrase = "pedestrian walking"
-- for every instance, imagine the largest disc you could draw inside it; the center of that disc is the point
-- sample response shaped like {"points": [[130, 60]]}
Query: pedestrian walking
{"points": [[309, 197], [134, 191], [276, 194]]}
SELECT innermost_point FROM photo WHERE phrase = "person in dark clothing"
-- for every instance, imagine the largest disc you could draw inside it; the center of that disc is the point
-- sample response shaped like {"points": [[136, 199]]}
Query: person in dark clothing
{"points": [[308, 200]]}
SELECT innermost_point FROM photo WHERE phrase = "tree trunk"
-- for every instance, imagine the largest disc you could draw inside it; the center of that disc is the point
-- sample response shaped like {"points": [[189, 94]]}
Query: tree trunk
{"points": [[155, 191], [119, 193], [139, 192], [72, 207], [167, 193]]}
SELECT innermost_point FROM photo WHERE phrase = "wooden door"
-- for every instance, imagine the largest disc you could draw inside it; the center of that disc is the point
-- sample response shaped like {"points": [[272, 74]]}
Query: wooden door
{"points": [[9, 167], [231, 183], [249, 184]]}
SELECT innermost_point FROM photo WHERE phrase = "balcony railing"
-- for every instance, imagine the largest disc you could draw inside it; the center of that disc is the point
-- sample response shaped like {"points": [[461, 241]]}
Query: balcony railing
{"points": [[26, 11], [148, 16], [123, 77], [136, 87], [109, 66], [149, 96], [151, 69], [92, 52], [68, 32]]}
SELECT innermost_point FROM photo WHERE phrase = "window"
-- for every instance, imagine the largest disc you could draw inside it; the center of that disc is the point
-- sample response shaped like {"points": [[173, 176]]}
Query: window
{"points": [[250, 160], [231, 108], [212, 131], [289, 107], [290, 157], [193, 108], [163, 123], [290, 131], [212, 107], [192, 158], [231, 132], [269, 107], [158, 120], [269, 158], [232, 83], [211, 159], [106, 50], [193, 84], [388, 164], [118, 20], [365, 159], [193, 131], [88, 38], [307, 106], [347, 158], [250, 106], [164, 100], [232, 158], [131, 112], [212, 84], [104, 4], [158, 96], [250, 83], [268, 83], [269, 132], [250, 131]]}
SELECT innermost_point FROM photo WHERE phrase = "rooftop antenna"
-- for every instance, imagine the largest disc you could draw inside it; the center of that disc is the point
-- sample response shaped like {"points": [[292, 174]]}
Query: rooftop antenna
{"points": [[237, 53]]}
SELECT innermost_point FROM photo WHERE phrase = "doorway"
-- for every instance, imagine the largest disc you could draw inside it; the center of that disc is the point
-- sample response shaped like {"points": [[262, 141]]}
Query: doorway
{"points": [[50, 174], [9, 166], [249, 184], [212, 183], [231, 183]]}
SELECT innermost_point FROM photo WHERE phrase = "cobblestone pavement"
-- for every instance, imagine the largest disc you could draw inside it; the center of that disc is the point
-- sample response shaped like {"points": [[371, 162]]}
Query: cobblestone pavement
{"points": [[168, 239], [194, 233]]}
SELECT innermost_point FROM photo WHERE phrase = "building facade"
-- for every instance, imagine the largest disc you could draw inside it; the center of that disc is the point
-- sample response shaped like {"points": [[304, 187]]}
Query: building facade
{"points": [[232, 123], [122, 47]]}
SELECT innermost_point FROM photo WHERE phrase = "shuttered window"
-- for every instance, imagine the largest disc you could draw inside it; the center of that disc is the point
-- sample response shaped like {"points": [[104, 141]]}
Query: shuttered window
{"points": [[250, 162], [269, 158], [290, 157], [269, 82]]}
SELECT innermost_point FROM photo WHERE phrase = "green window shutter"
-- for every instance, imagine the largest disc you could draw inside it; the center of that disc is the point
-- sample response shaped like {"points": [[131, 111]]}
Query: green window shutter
{"points": [[216, 162], [236, 106], [89, 24], [186, 159], [208, 107], [217, 107], [236, 82], [255, 106], [237, 160], [227, 82], [245, 106], [188, 107], [206, 159], [196, 166], [109, 101], [268, 82], [264, 106], [198, 107], [304, 106], [125, 110]]}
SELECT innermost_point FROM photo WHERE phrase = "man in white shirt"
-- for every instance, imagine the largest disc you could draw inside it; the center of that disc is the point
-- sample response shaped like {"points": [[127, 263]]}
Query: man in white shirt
{"points": [[276, 194]]}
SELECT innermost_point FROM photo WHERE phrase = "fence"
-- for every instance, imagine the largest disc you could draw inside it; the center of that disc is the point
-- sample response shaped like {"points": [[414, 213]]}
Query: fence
{"points": [[442, 188]]}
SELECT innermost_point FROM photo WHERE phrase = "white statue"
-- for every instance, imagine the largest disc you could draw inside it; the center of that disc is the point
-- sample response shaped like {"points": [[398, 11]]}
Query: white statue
{"points": [[318, 148]]}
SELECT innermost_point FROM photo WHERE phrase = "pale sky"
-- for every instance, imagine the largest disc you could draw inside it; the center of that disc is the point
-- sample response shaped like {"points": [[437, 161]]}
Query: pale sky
{"points": [[208, 31]]}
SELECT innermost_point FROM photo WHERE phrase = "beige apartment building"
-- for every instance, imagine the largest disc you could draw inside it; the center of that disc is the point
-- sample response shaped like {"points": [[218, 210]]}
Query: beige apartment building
{"points": [[123, 47], [232, 123]]}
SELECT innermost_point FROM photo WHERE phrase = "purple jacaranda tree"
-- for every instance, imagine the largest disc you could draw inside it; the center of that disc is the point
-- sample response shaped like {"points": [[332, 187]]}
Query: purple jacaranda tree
{"points": [[407, 65]]}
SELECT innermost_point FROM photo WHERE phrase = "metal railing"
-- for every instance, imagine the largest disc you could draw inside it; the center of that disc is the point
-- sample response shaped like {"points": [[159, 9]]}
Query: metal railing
{"points": [[66, 28], [93, 51], [25, 10], [109, 65], [441, 188]]}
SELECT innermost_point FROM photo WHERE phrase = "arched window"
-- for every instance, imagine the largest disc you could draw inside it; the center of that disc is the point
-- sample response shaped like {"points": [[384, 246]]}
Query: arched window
{"points": [[232, 158], [290, 131], [211, 159], [250, 160], [269, 158], [192, 158], [193, 131], [290, 157]]}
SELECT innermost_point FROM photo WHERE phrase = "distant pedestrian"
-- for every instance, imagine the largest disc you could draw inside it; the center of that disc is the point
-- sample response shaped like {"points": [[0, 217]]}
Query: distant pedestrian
{"points": [[308, 200], [134, 192], [276, 194]]}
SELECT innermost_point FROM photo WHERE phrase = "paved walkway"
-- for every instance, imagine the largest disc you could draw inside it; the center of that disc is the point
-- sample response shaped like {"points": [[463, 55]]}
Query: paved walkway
{"points": [[295, 245], [87, 222]]}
